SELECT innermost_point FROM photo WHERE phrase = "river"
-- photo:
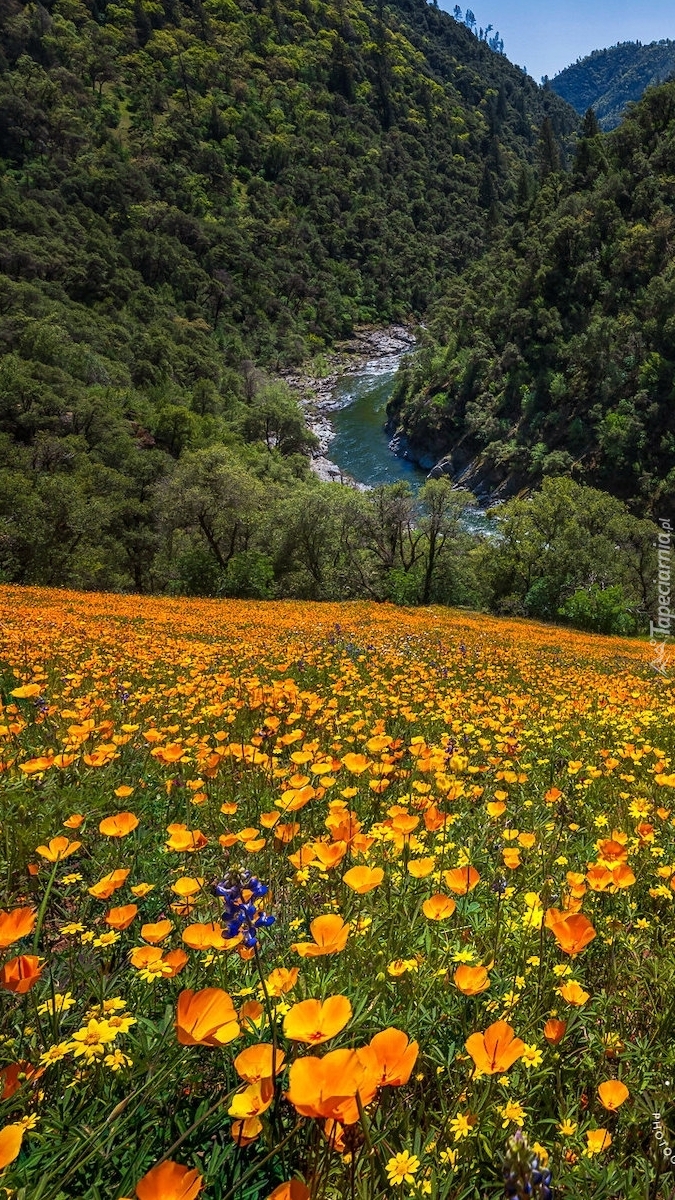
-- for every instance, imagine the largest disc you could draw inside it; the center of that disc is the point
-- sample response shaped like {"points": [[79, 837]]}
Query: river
{"points": [[360, 447], [346, 408]]}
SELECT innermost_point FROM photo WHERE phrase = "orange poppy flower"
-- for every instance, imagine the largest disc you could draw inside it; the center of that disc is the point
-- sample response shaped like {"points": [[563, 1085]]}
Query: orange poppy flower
{"points": [[573, 932], [391, 1057], [74, 821], [251, 1014], [553, 915], [121, 918], [302, 857], [185, 840], [495, 808], [170, 1181], [176, 959], [461, 879], [255, 845], [511, 857], [151, 958], [20, 974], [285, 832], [245, 835], [577, 884], [142, 889], [11, 1138], [363, 879], [246, 1132], [295, 1189], [143, 956], [330, 935], [361, 844], [123, 791], [496, 1050], [439, 907], [404, 823], [35, 766], [169, 754], [599, 878], [259, 1062], [597, 1140], [622, 876], [119, 825], [293, 800], [471, 981], [419, 868], [26, 691], [268, 820], [554, 1031], [612, 850], [356, 763], [433, 819], [327, 1087], [252, 1101], [330, 854], [15, 924], [185, 886], [207, 937], [314, 1021], [15, 1075], [156, 932], [105, 887], [57, 849], [573, 993], [281, 980], [206, 1018], [613, 1093]]}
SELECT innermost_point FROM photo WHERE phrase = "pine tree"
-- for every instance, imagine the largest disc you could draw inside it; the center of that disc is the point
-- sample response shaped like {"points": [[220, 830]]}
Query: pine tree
{"points": [[549, 153]]}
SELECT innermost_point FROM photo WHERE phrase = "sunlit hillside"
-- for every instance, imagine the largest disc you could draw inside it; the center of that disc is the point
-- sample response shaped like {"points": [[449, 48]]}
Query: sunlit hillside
{"points": [[330, 901]]}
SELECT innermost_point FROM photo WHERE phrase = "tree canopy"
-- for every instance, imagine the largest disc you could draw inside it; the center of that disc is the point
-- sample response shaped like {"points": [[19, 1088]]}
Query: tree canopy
{"points": [[554, 354]]}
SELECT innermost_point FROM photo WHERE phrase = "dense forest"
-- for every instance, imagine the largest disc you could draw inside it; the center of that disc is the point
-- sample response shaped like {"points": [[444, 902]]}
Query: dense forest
{"points": [[608, 80], [197, 195], [555, 353], [193, 193]]}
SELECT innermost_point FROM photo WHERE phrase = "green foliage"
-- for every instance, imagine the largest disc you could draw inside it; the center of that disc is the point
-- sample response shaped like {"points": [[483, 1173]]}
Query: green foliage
{"points": [[601, 610], [576, 553], [249, 574], [189, 192], [555, 353], [608, 80]]}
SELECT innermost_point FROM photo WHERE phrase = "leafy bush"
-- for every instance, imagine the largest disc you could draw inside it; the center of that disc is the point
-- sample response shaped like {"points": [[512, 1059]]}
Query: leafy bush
{"points": [[600, 610]]}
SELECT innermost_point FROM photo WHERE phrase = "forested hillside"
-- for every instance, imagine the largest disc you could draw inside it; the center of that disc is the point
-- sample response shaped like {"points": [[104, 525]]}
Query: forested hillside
{"points": [[277, 170], [608, 80], [190, 191], [555, 353]]}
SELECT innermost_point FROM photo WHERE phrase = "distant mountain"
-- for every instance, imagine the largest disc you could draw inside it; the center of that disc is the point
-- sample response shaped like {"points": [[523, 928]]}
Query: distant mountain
{"points": [[607, 80]]}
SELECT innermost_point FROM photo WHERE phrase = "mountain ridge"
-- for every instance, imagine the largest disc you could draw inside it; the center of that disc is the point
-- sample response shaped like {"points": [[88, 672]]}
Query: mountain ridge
{"points": [[608, 80]]}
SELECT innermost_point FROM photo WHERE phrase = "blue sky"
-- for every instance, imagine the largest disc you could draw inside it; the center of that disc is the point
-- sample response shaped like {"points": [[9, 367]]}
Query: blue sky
{"points": [[545, 36]]}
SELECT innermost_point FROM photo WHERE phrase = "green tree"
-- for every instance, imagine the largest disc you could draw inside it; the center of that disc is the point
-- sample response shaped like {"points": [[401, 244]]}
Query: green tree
{"points": [[215, 503]]}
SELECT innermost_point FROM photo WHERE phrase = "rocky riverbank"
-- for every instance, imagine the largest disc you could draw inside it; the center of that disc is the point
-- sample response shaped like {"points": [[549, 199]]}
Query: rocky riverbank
{"points": [[316, 393]]}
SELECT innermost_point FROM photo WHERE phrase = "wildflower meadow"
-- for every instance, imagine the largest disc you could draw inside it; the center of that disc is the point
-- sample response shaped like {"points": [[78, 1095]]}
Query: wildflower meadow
{"points": [[322, 901]]}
